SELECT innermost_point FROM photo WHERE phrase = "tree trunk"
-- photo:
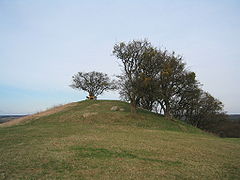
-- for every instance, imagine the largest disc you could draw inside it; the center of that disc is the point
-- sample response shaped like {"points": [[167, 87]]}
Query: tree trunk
{"points": [[91, 96], [167, 110], [133, 107]]}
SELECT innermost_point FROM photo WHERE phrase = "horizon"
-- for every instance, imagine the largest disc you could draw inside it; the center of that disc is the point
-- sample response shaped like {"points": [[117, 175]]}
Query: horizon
{"points": [[78, 101], [44, 43]]}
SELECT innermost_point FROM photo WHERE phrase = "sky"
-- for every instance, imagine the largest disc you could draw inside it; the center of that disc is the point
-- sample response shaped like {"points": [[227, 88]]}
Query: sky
{"points": [[44, 42]]}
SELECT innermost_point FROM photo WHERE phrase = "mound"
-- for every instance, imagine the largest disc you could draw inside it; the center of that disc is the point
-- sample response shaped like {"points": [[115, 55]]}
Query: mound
{"points": [[88, 140], [102, 112]]}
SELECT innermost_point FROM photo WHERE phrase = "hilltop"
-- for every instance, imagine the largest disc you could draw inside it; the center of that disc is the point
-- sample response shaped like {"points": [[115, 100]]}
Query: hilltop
{"points": [[86, 140]]}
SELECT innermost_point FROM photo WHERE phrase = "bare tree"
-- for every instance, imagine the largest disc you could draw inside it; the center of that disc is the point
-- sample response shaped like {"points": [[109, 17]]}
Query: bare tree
{"points": [[95, 83]]}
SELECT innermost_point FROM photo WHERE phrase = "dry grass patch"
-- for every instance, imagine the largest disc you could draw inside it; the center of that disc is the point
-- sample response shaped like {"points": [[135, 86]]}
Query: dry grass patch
{"points": [[89, 114], [38, 115]]}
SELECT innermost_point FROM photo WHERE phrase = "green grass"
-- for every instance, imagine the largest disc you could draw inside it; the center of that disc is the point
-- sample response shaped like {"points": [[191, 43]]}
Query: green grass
{"points": [[114, 145]]}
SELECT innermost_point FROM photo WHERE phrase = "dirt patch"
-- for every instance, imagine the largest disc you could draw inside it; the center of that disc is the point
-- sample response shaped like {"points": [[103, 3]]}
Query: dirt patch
{"points": [[37, 115]]}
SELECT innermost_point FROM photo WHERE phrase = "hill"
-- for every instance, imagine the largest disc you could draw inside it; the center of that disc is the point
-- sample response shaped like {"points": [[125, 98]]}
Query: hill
{"points": [[86, 140]]}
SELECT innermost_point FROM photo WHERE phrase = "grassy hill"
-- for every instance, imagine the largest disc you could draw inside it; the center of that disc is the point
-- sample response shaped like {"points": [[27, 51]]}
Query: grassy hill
{"points": [[86, 140]]}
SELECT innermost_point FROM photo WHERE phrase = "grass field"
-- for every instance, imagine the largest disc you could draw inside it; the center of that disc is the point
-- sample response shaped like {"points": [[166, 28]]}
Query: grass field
{"points": [[88, 141]]}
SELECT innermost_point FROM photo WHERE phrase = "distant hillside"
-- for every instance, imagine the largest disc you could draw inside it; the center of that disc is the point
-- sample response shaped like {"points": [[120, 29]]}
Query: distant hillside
{"points": [[234, 117], [88, 140]]}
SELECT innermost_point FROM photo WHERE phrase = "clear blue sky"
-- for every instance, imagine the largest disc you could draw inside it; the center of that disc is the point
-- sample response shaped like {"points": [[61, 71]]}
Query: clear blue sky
{"points": [[43, 43]]}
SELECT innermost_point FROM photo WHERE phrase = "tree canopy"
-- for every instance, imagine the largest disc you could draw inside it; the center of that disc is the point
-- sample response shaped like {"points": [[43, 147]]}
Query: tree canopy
{"points": [[95, 83], [132, 56]]}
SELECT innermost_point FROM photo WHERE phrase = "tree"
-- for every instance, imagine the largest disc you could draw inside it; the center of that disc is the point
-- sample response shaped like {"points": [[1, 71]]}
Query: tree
{"points": [[207, 111], [95, 83], [170, 80], [199, 109], [187, 98], [148, 85], [131, 55]]}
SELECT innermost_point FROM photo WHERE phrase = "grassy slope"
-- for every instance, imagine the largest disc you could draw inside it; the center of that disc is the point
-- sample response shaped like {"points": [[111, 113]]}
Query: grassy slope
{"points": [[113, 145]]}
